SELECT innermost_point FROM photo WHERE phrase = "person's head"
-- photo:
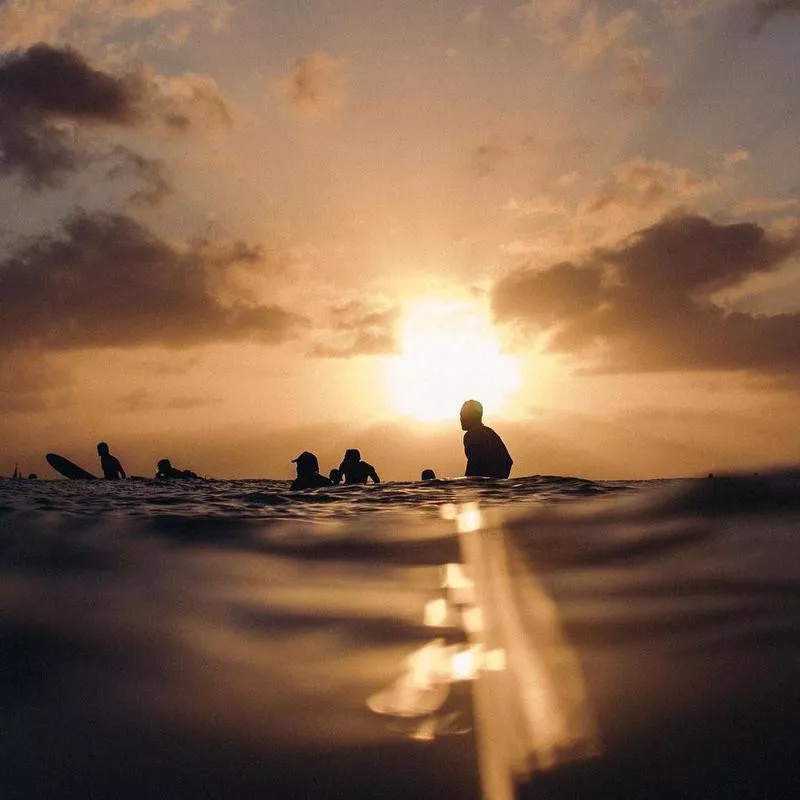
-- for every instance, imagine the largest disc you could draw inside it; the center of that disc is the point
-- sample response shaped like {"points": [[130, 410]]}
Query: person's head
{"points": [[335, 476], [102, 449], [428, 475], [306, 463], [352, 455], [164, 465], [471, 414]]}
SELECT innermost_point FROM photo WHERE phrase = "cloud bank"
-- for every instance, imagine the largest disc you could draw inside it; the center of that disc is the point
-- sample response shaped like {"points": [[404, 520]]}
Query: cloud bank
{"points": [[106, 280], [647, 305]]}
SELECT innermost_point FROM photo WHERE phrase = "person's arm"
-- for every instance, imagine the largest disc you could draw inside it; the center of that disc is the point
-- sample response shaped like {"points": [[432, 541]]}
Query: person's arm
{"points": [[374, 475], [469, 448]]}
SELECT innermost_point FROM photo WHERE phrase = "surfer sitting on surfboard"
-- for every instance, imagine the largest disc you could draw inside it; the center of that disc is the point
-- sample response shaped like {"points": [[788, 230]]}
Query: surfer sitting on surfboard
{"points": [[112, 469], [166, 470]]}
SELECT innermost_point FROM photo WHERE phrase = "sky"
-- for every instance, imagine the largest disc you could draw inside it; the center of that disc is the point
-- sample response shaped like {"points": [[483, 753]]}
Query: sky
{"points": [[234, 230]]}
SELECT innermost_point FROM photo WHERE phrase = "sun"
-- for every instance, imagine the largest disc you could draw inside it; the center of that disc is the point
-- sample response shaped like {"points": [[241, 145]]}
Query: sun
{"points": [[450, 353]]}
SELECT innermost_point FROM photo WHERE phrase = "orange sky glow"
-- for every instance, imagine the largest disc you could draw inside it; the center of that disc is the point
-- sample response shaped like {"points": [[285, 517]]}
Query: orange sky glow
{"points": [[232, 231]]}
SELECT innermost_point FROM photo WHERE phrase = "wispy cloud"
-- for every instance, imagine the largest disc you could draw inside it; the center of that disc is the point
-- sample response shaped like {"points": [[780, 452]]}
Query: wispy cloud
{"points": [[316, 85], [359, 327], [87, 23], [584, 38]]}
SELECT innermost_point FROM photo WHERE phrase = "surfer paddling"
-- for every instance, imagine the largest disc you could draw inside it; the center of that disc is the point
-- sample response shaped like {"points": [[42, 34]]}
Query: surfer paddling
{"points": [[487, 456], [165, 470], [112, 469]]}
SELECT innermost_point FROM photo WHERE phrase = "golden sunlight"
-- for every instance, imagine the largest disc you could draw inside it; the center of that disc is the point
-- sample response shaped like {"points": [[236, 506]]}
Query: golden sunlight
{"points": [[449, 354]]}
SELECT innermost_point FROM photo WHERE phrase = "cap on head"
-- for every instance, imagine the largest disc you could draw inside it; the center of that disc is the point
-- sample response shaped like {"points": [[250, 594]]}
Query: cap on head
{"points": [[307, 461]]}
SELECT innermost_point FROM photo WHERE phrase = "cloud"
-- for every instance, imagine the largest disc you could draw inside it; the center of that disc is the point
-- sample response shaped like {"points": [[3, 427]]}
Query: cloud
{"points": [[765, 10], [750, 206], [637, 86], [548, 17], [647, 305], [90, 22], [357, 328], [49, 95], [584, 38], [106, 280], [594, 39], [186, 100], [316, 85], [648, 187], [152, 172]]}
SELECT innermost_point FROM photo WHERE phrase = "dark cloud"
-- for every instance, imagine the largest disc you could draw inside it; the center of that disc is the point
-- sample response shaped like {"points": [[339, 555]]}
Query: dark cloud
{"points": [[108, 281], [356, 329], [42, 89], [49, 95], [648, 304], [151, 172], [764, 10]]}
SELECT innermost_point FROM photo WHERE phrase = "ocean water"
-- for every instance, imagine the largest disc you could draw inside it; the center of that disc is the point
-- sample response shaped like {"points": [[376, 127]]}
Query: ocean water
{"points": [[538, 637]]}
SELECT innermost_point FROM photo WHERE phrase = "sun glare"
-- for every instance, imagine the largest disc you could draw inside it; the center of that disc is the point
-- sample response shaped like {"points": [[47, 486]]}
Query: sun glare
{"points": [[449, 354]]}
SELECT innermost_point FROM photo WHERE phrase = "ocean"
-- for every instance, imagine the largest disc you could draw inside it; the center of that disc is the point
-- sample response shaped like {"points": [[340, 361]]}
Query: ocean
{"points": [[538, 637]]}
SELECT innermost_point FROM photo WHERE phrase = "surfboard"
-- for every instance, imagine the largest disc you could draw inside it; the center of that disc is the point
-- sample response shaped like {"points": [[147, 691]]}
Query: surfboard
{"points": [[68, 469]]}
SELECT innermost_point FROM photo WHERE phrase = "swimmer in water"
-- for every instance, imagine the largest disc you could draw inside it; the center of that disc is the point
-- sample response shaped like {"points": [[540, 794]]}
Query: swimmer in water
{"points": [[486, 454], [308, 476], [112, 469], [355, 470]]}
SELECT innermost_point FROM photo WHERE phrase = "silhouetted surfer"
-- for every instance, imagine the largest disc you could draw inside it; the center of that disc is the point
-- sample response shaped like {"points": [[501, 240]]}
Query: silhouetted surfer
{"points": [[166, 470], [427, 475], [308, 476], [355, 470], [487, 456], [112, 469]]}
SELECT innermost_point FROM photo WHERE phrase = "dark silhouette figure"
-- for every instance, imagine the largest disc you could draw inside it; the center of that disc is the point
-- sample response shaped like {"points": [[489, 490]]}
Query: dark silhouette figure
{"points": [[486, 454], [33, 477], [166, 470], [427, 475], [355, 470], [336, 476], [308, 476], [112, 469]]}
